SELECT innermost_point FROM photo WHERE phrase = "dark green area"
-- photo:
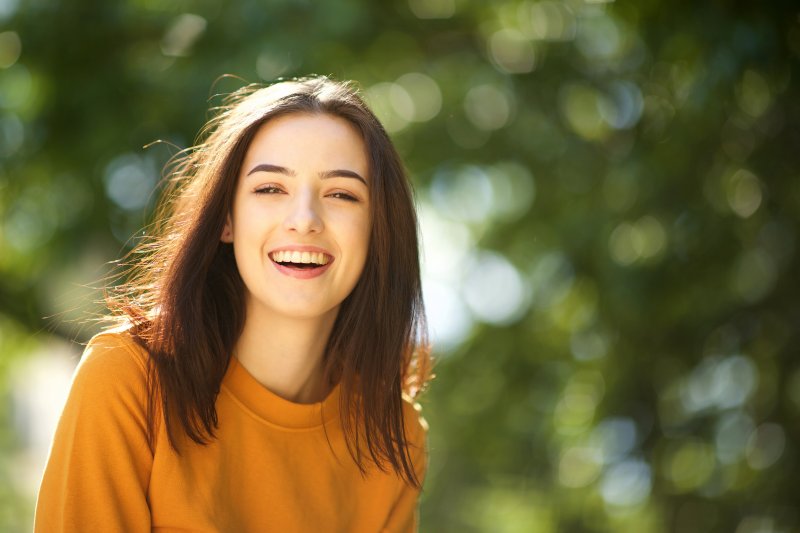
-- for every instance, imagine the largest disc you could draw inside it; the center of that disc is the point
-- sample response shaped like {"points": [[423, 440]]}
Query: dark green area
{"points": [[625, 175]]}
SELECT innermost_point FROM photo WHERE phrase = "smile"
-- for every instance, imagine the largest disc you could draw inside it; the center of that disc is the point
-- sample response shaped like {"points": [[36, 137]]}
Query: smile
{"points": [[300, 259], [301, 265]]}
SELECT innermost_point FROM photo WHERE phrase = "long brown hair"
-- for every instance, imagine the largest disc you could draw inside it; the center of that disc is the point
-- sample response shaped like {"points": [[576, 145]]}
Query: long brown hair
{"points": [[185, 298]]}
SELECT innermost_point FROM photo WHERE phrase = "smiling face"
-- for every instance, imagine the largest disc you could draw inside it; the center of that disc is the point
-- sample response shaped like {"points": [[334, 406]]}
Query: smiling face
{"points": [[300, 221]]}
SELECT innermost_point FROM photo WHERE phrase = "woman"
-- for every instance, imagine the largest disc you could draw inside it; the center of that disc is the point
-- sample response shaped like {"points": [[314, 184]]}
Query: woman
{"points": [[271, 336]]}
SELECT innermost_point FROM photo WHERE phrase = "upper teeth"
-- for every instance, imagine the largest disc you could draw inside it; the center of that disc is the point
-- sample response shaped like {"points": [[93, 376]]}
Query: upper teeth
{"points": [[288, 256]]}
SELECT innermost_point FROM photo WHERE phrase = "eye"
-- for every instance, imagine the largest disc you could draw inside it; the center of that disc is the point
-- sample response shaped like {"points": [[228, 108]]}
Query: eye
{"points": [[268, 189], [344, 196]]}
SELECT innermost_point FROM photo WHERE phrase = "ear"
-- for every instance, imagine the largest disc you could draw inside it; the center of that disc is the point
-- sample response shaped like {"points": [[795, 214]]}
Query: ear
{"points": [[227, 231]]}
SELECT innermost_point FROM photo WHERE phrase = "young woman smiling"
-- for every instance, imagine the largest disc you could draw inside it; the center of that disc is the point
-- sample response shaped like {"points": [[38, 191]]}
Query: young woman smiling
{"points": [[270, 339]]}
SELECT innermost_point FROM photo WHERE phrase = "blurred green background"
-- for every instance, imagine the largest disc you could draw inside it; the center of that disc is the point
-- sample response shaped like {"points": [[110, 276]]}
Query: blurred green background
{"points": [[609, 195]]}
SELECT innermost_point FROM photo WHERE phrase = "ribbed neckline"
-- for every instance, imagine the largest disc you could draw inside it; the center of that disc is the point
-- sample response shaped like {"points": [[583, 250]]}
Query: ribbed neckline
{"points": [[273, 409]]}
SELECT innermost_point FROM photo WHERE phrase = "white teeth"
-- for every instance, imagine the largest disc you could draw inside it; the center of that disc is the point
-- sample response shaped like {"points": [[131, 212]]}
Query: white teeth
{"points": [[286, 256]]}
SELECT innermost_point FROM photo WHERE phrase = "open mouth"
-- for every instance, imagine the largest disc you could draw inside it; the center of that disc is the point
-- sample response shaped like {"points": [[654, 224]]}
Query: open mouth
{"points": [[300, 260]]}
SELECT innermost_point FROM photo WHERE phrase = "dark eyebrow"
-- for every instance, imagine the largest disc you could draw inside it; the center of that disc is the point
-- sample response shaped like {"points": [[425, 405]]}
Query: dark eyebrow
{"points": [[338, 173], [266, 167], [342, 173]]}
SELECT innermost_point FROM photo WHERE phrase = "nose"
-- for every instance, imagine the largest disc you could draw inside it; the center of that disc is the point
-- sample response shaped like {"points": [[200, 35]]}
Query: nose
{"points": [[303, 215]]}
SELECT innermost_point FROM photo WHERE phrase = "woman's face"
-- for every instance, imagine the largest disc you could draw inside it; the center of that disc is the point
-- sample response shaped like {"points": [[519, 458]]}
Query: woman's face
{"points": [[300, 221]]}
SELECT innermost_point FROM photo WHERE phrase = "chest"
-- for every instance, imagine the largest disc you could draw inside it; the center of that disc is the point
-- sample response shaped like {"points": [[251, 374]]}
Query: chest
{"points": [[259, 477]]}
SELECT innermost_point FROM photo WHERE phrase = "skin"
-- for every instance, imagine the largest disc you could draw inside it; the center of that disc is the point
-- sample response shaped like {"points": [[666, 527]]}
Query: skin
{"points": [[298, 186]]}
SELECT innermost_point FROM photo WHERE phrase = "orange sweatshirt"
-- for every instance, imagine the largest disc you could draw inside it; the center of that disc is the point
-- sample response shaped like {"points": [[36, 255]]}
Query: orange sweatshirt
{"points": [[269, 469]]}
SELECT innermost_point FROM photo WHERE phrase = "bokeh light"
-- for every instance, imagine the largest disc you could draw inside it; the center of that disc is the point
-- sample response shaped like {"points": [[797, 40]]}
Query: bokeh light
{"points": [[488, 107], [10, 48]]}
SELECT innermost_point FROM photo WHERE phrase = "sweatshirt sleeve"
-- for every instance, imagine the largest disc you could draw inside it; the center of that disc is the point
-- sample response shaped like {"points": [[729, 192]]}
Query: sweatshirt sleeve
{"points": [[98, 470], [404, 517]]}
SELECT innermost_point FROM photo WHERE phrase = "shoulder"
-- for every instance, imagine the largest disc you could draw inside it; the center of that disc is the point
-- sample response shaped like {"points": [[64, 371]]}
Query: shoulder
{"points": [[112, 360], [115, 348], [100, 460]]}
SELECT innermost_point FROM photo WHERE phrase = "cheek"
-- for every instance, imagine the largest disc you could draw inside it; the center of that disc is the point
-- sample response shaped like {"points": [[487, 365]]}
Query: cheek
{"points": [[250, 221], [354, 237], [352, 228], [360, 232]]}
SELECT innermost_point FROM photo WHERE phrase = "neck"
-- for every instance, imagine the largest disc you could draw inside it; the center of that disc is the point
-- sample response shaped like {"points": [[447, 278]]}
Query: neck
{"points": [[285, 354]]}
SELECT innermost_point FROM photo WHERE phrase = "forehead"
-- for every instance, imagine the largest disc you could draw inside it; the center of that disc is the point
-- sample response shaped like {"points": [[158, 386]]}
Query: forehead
{"points": [[307, 139]]}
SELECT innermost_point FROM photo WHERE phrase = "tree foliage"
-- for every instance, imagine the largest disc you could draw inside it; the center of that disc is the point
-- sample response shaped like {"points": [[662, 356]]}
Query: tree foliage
{"points": [[610, 202]]}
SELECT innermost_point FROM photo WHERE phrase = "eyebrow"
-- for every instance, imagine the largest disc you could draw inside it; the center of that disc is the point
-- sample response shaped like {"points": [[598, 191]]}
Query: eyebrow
{"points": [[337, 173]]}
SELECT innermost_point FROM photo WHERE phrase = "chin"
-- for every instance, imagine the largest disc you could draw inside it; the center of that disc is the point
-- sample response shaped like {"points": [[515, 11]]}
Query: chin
{"points": [[303, 314], [302, 311]]}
